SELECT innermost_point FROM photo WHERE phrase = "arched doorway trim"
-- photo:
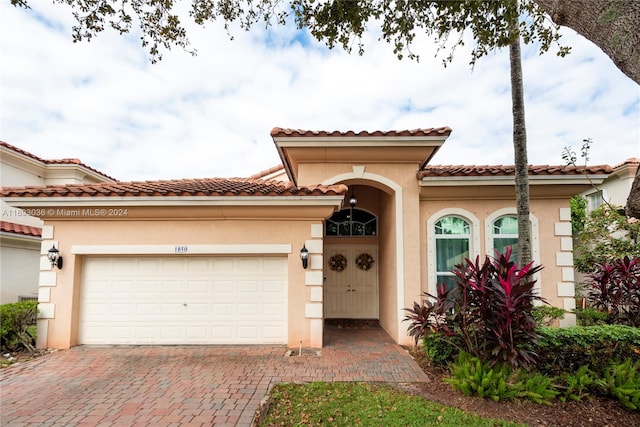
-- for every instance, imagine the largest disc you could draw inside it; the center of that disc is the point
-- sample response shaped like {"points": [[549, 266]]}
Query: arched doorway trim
{"points": [[359, 173]]}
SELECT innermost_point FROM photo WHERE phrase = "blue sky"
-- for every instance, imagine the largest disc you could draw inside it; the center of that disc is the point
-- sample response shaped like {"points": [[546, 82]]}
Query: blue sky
{"points": [[210, 115]]}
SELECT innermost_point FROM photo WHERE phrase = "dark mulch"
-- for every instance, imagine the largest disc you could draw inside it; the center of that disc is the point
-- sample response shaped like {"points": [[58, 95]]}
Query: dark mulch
{"points": [[589, 412]]}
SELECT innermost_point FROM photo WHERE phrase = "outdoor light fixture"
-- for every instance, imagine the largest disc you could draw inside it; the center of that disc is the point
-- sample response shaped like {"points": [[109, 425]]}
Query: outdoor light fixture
{"points": [[304, 256], [54, 258], [353, 200]]}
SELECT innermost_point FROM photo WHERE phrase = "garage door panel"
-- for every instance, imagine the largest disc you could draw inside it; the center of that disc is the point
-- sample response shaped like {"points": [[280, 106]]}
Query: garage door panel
{"points": [[173, 266], [220, 310], [146, 310], [171, 334], [198, 288], [249, 264], [222, 334], [96, 311], [198, 265], [166, 287], [247, 333], [248, 287], [120, 288], [195, 311], [124, 309], [221, 287], [149, 265], [223, 265], [184, 300], [173, 310]]}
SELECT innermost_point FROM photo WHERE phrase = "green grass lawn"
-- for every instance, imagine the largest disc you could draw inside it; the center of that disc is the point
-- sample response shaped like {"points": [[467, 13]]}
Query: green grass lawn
{"points": [[361, 404]]}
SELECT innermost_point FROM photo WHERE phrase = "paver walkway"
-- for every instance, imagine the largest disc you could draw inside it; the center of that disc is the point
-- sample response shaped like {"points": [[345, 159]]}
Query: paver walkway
{"points": [[186, 386]]}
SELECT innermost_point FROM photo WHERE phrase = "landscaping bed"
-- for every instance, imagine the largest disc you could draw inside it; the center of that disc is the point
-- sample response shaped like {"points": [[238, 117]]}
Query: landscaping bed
{"points": [[593, 411]]}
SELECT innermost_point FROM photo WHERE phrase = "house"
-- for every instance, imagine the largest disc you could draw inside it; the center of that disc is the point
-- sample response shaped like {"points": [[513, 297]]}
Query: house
{"points": [[20, 233], [615, 189], [351, 225]]}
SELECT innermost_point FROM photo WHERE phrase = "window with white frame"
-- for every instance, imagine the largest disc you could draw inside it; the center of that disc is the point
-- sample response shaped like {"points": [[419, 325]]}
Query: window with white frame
{"points": [[504, 232], [452, 241], [594, 200]]}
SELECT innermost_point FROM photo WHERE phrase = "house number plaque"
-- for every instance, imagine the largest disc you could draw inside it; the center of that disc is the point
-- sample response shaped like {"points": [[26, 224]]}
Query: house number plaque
{"points": [[181, 249]]}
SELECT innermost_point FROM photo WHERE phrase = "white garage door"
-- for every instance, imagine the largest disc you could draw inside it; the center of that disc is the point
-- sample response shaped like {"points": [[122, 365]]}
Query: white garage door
{"points": [[184, 300]]}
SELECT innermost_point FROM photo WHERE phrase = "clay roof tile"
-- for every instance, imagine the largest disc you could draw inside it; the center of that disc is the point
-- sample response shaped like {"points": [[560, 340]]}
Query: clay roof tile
{"points": [[20, 229], [284, 132], [53, 161], [501, 170], [179, 188]]}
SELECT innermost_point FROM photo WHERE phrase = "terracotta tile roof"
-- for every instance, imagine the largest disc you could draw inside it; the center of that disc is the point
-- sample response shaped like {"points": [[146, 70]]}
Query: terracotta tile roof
{"points": [[24, 230], [500, 170], [55, 161], [629, 161], [267, 172], [182, 187], [279, 132]]}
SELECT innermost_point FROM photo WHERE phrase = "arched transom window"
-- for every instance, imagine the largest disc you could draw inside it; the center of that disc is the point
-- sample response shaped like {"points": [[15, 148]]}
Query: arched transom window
{"points": [[452, 235], [351, 222]]}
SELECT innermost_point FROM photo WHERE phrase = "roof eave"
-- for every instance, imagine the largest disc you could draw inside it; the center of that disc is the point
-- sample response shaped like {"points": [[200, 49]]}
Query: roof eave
{"points": [[452, 181], [68, 202]]}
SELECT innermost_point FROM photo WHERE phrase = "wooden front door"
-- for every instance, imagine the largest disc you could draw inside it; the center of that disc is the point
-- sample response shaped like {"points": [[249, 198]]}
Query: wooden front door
{"points": [[353, 292]]}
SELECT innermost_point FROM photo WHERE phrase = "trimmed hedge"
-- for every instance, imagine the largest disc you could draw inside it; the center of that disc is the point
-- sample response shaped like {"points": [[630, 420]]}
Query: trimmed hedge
{"points": [[440, 348], [567, 349], [15, 320]]}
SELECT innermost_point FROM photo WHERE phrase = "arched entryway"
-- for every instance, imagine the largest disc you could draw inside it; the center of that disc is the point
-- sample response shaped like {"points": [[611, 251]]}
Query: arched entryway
{"points": [[351, 264], [360, 258]]}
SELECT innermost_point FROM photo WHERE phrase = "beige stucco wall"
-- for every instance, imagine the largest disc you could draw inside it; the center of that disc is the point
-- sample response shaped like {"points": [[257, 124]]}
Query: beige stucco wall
{"points": [[61, 301], [388, 269]]}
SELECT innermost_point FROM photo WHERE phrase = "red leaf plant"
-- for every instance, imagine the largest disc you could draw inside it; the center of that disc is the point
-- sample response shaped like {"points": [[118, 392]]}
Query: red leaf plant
{"points": [[489, 309], [615, 290]]}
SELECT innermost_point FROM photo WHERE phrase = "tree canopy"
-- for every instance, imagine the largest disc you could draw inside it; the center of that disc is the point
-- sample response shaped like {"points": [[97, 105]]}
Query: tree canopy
{"points": [[335, 22], [613, 25]]}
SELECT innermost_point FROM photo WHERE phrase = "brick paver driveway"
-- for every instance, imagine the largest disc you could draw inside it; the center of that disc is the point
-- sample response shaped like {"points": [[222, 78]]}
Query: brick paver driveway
{"points": [[160, 386]]}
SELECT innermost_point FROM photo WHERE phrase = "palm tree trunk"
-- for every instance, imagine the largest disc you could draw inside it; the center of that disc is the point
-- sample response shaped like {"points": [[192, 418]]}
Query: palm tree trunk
{"points": [[520, 154]]}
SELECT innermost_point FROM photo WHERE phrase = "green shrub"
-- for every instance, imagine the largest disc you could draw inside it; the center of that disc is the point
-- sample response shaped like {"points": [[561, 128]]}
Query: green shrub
{"points": [[472, 376], [536, 387], [565, 350], [577, 385], [440, 348], [607, 235], [544, 315], [623, 381], [590, 316], [15, 321]]}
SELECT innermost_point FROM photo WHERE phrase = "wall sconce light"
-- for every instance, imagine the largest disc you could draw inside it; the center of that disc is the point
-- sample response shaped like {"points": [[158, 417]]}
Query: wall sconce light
{"points": [[54, 258], [353, 200], [304, 256]]}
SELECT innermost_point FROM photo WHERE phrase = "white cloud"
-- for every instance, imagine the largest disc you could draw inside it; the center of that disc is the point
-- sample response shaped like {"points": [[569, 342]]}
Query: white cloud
{"points": [[210, 115]]}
